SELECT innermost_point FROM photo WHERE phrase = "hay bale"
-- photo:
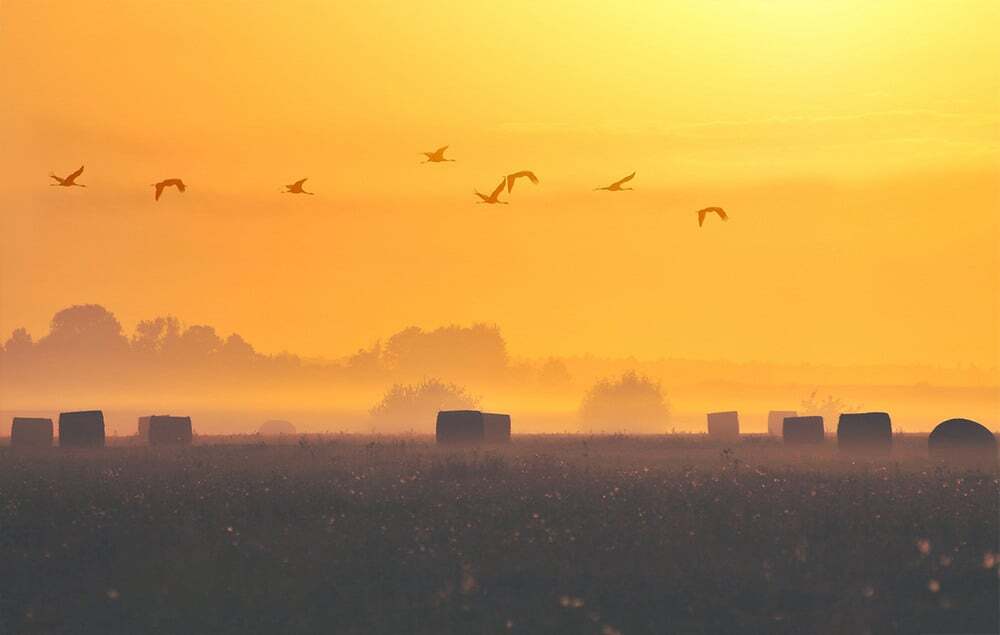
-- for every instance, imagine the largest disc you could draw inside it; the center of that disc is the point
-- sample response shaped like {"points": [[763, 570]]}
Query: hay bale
{"points": [[84, 429], [803, 430], [776, 418], [496, 427], [143, 431], [31, 432], [962, 439], [472, 426], [276, 427], [865, 432], [724, 425], [170, 430]]}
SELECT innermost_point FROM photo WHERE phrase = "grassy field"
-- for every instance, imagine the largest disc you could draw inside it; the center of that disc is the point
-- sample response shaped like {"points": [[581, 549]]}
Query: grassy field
{"points": [[553, 534]]}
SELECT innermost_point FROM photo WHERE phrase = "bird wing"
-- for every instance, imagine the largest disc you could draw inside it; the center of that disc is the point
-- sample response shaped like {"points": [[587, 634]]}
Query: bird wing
{"points": [[299, 182], [625, 180], [516, 175], [482, 196], [72, 177], [440, 151], [180, 185], [701, 216], [159, 189], [499, 188], [722, 213]]}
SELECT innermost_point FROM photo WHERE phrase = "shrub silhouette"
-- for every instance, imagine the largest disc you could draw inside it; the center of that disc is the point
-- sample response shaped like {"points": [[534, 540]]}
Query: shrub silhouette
{"points": [[415, 406], [633, 402]]}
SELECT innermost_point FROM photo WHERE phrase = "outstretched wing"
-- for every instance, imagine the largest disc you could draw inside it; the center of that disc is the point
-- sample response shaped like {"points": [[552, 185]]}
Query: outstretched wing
{"points": [[180, 185], [516, 175], [73, 176], [159, 190], [498, 189], [299, 182], [440, 151], [625, 180], [703, 212]]}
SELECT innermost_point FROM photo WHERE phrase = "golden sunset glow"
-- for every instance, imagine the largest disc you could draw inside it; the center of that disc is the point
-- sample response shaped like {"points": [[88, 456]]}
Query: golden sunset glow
{"points": [[854, 144]]}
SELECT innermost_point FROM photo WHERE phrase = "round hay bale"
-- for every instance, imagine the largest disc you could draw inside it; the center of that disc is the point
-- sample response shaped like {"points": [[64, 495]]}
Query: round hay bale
{"points": [[864, 432], [961, 439]]}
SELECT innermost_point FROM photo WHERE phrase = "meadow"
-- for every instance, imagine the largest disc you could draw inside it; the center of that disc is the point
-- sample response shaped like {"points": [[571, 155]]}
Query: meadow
{"points": [[550, 534]]}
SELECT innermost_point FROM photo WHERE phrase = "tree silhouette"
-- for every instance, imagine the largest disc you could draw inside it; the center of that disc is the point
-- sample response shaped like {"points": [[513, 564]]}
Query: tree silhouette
{"points": [[409, 406], [19, 344], [633, 402], [87, 329]]}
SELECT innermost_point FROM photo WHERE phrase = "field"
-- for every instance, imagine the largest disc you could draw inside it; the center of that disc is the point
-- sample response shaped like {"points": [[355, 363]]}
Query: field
{"points": [[553, 534]]}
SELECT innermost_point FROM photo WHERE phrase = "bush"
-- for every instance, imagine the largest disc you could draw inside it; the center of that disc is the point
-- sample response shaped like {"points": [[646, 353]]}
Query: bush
{"points": [[415, 406], [633, 402]]}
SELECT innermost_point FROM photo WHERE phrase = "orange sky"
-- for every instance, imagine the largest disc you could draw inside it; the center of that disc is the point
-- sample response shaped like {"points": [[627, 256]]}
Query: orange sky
{"points": [[855, 145]]}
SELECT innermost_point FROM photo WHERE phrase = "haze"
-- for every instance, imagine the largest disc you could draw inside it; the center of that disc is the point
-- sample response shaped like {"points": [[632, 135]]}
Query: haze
{"points": [[855, 145]]}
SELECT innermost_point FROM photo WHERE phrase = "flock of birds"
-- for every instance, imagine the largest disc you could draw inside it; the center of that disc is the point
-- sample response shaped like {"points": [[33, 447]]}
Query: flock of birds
{"points": [[437, 156]]}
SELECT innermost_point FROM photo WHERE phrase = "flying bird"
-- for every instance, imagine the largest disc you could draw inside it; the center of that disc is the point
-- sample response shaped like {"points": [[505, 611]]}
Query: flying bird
{"points": [[296, 188], [69, 181], [179, 184], [437, 156], [515, 176], [493, 198], [617, 185], [704, 212]]}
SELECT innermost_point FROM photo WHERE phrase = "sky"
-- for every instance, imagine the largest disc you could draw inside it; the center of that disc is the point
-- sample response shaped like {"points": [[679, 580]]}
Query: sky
{"points": [[855, 145]]}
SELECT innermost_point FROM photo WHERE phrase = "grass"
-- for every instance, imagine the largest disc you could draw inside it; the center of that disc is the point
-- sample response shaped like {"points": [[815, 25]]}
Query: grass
{"points": [[553, 534]]}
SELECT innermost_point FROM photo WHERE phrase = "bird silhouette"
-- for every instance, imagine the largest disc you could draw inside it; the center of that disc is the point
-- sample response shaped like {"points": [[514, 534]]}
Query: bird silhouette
{"points": [[296, 188], [179, 184], [617, 185], [704, 212], [516, 175], [69, 181], [437, 156], [493, 198]]}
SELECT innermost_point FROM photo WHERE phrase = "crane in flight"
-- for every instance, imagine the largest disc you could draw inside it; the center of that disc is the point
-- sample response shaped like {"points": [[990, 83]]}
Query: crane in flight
{"points": [[296, 188], [704, 212], [617, 185], [68, 181], [437, 156], [516, 175], [493, 198], [179, 184]]}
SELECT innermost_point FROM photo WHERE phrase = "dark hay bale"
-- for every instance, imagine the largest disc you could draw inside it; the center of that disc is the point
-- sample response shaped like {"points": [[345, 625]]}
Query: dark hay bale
{"points": [[803, 430], [169, 430], [83, 429], [496, 427], [962, 439], [775, 418], [276, 427], [724, 425], [144, 428], [31, 432], [472, 426], [865, 432]]}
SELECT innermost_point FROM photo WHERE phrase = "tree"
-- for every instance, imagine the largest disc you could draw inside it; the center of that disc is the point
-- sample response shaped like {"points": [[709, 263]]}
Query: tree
{"points": [[19, 344], [478, 351], [633, 402], [829, 407], [237, 351], [407, 406], [84, 329], [153, 336]]}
